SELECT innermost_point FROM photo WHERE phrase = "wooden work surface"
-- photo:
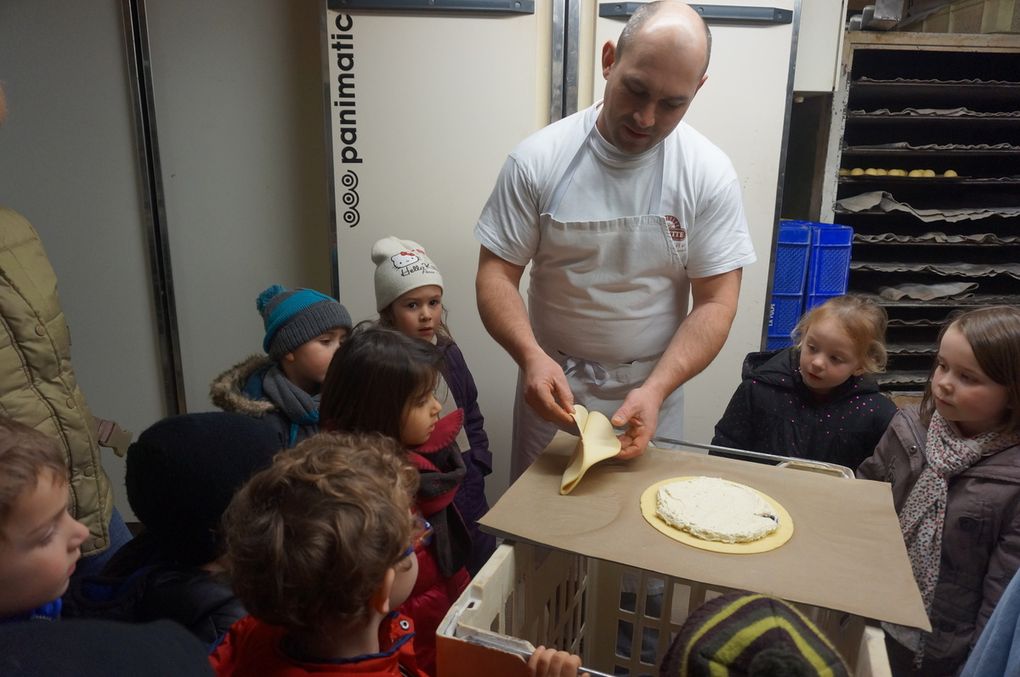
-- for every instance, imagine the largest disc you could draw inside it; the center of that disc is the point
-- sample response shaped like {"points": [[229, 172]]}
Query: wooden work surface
{"points": [[846, 552]]}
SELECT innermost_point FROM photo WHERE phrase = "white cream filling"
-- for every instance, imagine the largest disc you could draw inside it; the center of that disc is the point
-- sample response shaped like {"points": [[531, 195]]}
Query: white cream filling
{"points": [[715, 509]]}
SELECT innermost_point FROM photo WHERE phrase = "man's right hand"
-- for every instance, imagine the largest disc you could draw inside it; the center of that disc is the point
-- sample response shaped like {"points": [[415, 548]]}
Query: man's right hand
{"points": [[546, 390]]}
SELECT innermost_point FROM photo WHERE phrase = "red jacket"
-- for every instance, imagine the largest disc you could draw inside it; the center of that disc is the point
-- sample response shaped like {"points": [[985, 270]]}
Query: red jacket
{"points": [[434, 593], [252, 649]]}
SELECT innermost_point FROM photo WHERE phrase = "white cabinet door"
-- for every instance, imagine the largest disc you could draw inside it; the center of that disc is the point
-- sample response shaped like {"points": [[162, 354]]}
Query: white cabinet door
{"points": [[424, 109]]}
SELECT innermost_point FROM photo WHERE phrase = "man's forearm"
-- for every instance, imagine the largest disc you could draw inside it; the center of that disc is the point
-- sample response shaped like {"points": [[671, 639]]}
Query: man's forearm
{"points": [[502, 308]]}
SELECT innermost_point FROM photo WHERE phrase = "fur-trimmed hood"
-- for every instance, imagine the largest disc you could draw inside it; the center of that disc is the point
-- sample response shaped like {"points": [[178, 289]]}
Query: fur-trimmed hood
{"points": [[227, 391]]}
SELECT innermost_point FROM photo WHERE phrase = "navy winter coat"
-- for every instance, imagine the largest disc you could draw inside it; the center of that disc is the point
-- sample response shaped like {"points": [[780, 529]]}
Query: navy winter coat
{"points": [[772, 411]]}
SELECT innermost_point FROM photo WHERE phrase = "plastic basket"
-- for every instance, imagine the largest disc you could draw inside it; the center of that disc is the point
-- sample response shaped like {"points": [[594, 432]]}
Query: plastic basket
{"points": [[784, 312], [789, 276], [563, 600], [792, 248], [829, 263], [778, 342], [817, 300]]}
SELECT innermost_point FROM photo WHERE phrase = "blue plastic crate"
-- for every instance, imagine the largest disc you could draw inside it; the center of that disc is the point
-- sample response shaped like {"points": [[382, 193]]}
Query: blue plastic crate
{"points": [[778, 342], [817, 300], [792, 247], [784, 312], [829, 263]]}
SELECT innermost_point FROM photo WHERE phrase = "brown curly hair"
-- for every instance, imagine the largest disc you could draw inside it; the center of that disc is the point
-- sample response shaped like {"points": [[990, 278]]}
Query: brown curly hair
{"points": [[24, 454], [310, 538]]}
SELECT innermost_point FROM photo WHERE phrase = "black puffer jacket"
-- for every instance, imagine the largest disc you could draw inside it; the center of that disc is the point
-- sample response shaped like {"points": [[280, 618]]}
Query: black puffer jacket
{"points": [[191, 596], [772, 411]]}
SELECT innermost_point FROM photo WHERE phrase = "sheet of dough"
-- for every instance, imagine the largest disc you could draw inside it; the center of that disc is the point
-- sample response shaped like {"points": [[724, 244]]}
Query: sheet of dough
{"points": [[777, 538], [598, 443]]}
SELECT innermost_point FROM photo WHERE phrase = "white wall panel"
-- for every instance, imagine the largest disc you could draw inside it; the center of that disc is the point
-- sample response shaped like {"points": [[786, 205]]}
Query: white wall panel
{"points": [[440, 101]]}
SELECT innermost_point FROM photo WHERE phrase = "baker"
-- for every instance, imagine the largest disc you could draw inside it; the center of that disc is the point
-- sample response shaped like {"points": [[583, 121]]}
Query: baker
{"points": [[625, 213]]}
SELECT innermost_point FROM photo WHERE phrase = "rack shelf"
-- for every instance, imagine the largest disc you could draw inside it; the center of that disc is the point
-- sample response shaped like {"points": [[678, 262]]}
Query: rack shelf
{"points": [[895, 72]]}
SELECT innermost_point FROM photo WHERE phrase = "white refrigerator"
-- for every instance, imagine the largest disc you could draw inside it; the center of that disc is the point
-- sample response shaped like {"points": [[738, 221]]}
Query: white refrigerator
{"points": [[425, 98]]}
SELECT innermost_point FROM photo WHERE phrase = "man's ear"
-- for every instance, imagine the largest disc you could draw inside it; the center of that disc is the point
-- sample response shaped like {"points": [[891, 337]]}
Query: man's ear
{"points": [[608, 57], [289, 357], [380, 601], [703, 79]]}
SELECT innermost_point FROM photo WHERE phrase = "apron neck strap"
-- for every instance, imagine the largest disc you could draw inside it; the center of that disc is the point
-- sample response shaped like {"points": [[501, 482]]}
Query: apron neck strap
{"points": [[563, 183]]}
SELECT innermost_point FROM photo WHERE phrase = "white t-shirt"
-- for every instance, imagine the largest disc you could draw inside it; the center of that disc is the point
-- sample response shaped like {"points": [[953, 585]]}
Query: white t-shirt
{"points": [[700, 191]]}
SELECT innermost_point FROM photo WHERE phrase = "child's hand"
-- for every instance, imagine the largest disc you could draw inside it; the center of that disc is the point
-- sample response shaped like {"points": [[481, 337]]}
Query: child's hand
{"points": [[552, 663]]}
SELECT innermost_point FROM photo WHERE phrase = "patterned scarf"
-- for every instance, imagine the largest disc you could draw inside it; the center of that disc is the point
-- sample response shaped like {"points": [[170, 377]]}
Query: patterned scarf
{"points": [[441, 470], [924, 512]]}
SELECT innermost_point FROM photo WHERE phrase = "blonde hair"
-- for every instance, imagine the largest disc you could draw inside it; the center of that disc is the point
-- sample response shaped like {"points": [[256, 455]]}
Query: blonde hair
{"points": [[994, 336], [862, 319], [309, 539], [24, 454]]}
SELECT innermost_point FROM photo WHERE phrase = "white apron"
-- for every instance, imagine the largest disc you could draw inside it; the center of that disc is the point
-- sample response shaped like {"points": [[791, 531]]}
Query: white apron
{"points": [[605, 299]]}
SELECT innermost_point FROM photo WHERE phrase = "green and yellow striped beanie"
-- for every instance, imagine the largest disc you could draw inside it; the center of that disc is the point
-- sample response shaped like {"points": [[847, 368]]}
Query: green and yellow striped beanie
{"points": [[742, 634]]}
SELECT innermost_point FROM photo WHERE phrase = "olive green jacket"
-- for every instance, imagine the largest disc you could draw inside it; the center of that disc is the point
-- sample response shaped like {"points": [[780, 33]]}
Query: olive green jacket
{"points": [[37, 383]]}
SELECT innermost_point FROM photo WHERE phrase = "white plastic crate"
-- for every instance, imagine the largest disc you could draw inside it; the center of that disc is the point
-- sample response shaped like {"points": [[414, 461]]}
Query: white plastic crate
{"points": [[563, 600]]}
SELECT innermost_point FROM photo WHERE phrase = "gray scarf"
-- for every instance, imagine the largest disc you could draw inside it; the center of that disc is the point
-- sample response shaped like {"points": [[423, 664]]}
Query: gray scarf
{"points": [[300, 407]]}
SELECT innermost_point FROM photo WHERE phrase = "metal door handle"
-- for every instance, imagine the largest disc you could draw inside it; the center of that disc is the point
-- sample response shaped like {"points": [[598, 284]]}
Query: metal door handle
{"points": [[486, 6], [712, 14]]}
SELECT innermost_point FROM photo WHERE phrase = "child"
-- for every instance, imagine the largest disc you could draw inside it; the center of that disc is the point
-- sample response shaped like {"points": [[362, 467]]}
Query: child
{"points": [[317, 549], [409, 298], [382, 381], [303, 330], [39, 540], [320, 549], [741, 633], [817, 400], [182, 472], [954, 466]]}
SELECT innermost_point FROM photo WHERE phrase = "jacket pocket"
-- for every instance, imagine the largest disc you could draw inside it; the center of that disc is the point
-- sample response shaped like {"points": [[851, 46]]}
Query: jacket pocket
{"points": [[953, 616]]}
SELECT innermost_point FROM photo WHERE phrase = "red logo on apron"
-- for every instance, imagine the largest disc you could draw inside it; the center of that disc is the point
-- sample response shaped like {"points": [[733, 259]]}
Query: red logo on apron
{"points": [[676, 231]]}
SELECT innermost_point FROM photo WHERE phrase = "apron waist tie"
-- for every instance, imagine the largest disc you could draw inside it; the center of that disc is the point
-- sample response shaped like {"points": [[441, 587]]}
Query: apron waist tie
{"points": [[585, 369]]}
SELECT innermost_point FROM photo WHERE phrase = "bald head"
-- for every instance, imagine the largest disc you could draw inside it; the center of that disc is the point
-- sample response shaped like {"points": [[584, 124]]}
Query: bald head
{"points": [[687, 28]]}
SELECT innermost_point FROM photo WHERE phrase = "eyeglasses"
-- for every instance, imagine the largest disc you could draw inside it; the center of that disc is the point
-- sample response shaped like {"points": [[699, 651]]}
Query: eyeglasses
{"points": [[421, 536]]}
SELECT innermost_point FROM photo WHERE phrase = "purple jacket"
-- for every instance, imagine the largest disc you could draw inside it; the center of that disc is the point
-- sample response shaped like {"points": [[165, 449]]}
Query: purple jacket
{"points": [[470, 499], [465, 394]]}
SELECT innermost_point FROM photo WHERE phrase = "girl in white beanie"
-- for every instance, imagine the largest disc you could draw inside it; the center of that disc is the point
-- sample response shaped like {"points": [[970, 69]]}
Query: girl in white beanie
{"points": [[409, 298]]}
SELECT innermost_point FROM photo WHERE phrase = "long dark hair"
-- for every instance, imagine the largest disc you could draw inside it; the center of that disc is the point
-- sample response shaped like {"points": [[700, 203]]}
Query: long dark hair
{"points": [[373, 376]]}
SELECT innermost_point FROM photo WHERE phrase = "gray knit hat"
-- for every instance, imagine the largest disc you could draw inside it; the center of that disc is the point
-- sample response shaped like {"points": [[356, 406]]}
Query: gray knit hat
{"points": [[400, 266], [294, 317]]}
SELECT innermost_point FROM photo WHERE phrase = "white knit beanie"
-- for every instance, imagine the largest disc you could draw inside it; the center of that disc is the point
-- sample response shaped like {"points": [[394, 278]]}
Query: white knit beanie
{"points": [[400, 266]]}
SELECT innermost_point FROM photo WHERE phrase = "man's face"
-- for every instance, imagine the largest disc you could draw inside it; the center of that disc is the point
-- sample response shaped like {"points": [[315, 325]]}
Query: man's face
{"points": [[648, 91]]}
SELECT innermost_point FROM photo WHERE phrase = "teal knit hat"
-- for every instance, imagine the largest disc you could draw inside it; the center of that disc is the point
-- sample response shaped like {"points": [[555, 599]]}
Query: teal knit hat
{"points": [[294, 317]]}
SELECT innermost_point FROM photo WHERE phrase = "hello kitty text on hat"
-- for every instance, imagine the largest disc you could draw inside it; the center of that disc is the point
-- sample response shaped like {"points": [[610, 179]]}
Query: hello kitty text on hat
{"points": [[400, 266]]}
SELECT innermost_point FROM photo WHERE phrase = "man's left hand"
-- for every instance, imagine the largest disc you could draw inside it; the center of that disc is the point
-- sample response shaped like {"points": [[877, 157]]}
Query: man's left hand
{"points": [[640, 413]]}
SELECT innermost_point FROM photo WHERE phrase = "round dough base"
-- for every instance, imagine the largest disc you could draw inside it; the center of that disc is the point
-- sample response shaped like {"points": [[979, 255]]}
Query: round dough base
{"points": [[770, 542]]}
